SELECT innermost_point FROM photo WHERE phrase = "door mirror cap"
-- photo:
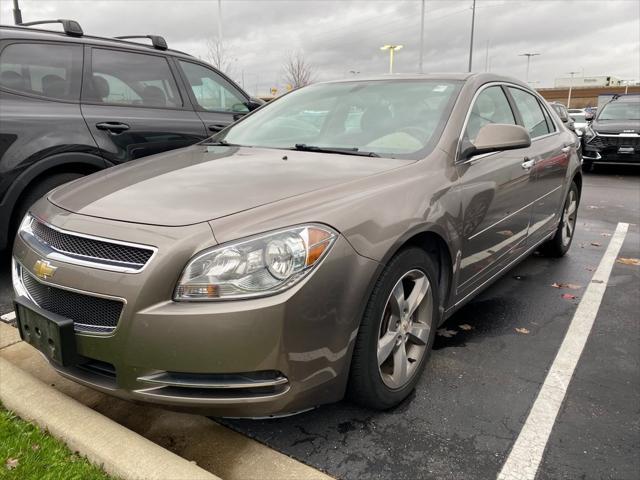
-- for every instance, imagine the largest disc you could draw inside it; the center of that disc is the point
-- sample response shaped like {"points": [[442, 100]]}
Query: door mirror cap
{"points": [[495, 137]]}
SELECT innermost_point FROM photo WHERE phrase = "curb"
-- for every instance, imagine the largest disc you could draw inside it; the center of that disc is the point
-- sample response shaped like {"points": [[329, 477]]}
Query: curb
{"points": [[119, 451]]}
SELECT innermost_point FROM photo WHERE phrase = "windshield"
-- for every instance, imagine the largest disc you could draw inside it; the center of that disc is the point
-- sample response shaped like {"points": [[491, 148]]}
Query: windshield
{"points": [[620, 111], [578, 117], [388, 118]]}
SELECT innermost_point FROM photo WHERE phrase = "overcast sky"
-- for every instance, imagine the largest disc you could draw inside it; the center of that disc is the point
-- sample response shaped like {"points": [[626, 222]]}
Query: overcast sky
{"points": [[599, 37]]}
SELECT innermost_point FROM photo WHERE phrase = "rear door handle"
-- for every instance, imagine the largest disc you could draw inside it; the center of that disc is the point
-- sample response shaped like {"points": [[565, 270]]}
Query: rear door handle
{"points": [[528, 164], [112, 127], [216, 127]]}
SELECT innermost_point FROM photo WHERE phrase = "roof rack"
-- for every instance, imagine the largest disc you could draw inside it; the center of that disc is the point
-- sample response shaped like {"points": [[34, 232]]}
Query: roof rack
{"points": [[70, 27], [156, 40]]}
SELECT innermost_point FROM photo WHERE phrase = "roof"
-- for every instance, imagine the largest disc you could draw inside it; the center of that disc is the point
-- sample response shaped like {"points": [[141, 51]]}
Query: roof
{"points": [[479, 78], [18, 32]]}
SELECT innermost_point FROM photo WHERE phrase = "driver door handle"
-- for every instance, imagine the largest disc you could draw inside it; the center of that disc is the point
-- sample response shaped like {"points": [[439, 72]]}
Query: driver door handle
{"points": [[112, 127], [528, 163]]}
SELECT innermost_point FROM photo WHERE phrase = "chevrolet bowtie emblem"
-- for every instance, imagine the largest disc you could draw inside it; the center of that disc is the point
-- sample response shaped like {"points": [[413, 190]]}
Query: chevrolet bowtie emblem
{"points": [[44, 269]]}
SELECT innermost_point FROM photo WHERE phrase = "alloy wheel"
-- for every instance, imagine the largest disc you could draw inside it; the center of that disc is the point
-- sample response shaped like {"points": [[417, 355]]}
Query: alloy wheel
{"points": [[569, 218], [405, 329]]}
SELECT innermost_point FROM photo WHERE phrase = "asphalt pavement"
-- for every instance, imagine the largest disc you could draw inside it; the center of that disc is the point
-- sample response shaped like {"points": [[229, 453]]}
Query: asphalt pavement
{"points": [[487, 369]]}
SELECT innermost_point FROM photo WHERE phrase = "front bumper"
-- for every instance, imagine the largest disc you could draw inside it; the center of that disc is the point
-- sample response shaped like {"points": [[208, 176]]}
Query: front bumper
{"points": [[247, 358], [612, 148]]}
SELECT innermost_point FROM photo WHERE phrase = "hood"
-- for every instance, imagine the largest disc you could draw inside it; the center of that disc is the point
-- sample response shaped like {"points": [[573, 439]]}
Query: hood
{"points": [[202, 183], [616, 126]]}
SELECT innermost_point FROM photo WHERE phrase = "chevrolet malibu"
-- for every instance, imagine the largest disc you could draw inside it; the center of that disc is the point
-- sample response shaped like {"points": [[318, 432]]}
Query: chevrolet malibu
{"points": [[308, 252]]}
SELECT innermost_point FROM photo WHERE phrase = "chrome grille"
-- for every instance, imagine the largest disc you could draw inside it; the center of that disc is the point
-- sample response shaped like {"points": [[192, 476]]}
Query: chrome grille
{"points": [[90, 248], [89, 314]]}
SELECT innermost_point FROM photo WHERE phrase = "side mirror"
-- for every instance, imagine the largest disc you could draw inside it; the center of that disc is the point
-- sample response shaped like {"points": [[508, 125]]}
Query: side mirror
{"points": [[254, 103], [495, 137], [564, 116]]}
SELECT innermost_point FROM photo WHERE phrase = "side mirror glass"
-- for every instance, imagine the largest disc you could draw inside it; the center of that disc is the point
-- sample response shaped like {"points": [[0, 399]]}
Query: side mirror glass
{"points": [[495, 137]]}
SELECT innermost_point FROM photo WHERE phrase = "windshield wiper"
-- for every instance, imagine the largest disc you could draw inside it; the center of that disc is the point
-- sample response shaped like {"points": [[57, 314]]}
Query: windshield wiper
{"points": [[340, 150]]}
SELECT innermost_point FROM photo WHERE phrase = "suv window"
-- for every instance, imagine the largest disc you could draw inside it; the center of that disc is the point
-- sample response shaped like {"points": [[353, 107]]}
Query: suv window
{"points": [[133, 79], [491, 106], [533, 118], [211, 91], [49, 70]]}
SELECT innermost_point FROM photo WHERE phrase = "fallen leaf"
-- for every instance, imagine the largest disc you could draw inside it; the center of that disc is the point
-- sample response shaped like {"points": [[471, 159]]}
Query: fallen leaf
{"points": [[522, 330], [597, 281], [592, 207], [603, 234], [596, 244], [629, 261], [589, 269], [568, 296], [570, 286], [465, 326], [505, 233], [443, 332], [12, 463]]}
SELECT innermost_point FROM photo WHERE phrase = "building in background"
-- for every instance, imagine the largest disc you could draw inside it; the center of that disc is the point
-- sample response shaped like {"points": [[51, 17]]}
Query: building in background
{"points": [[596, 81]]}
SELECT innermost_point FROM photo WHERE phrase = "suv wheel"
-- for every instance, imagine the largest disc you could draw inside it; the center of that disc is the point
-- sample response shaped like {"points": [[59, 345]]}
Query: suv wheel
{"points": [[397, 331]]}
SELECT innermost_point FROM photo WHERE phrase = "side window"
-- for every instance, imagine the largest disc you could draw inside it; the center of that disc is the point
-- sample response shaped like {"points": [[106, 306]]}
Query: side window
{"points": [[48, 70], [133, 79], [531, 112], [211, 91], [491, 106]]}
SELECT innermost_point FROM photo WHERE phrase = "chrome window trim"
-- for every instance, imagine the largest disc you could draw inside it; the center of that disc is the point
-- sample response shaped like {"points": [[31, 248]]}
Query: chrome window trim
{"points": [[52, 253], [22, 268], [475, 158], [618, 135]]}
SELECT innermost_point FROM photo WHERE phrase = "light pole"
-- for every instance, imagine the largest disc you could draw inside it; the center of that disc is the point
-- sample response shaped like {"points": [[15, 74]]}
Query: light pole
{"points": [[421, 38], [570, 87], [220, 21], [391, 48], [528, 55], [473, 24]]}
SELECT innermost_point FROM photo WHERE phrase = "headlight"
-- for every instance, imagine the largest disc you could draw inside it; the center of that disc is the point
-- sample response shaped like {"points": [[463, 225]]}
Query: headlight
{"points": [[257, 266], [26, 224]]}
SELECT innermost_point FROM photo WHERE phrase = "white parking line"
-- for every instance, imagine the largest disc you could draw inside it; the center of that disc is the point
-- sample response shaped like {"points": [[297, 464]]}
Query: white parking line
{"points": [[526, 454], [8, 317]]}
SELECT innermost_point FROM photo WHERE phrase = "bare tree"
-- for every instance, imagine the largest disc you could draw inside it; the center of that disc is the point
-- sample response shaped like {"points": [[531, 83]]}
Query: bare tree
{"points": [[298, 72], [220, 55]]}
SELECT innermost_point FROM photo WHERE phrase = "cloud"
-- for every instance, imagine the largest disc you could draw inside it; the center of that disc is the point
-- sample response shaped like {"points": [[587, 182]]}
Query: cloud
{"points": [[601, 37]]}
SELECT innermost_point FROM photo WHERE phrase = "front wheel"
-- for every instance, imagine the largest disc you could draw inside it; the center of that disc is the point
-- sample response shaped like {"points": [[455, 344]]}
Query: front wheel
{"points": [[559, 244], [397, 331]]}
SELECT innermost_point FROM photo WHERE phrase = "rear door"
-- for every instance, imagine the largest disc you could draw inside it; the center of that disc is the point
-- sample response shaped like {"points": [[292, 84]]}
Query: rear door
{"points": [[497, 190], [218, 102], [548, 156], [133, 107]]}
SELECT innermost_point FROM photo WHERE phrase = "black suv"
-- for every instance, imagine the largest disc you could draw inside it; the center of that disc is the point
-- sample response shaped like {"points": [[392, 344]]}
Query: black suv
{"points": [[614, 135], [72, 104]]}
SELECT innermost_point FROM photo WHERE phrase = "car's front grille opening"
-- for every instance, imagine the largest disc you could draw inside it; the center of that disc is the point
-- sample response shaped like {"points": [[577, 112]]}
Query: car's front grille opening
{"points": [[98, 367], [215, 386], [90, 249], [89, 314]]}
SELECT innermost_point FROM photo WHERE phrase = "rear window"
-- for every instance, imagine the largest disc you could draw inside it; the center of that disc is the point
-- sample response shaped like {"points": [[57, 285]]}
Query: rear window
{"points": [[133, 79], [47, 70]]}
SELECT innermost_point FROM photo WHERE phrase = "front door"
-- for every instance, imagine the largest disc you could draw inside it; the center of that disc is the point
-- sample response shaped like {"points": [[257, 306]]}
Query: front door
{"points": [[133, 106], [497, 190]]}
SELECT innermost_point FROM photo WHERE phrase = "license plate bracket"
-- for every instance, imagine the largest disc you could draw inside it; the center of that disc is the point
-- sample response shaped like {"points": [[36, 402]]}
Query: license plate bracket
{"points": [[52, 334]]}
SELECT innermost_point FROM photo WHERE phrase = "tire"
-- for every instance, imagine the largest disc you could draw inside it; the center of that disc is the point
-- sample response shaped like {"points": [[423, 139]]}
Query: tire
{"points": [[559, 244], [384, 386], [35, 193]]}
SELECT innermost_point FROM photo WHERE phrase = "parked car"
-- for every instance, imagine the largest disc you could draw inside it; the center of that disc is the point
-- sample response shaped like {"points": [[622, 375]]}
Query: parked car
{"points": [[614, 135], [283, 263], [61, 121], [562, 112], [580, 122]]}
